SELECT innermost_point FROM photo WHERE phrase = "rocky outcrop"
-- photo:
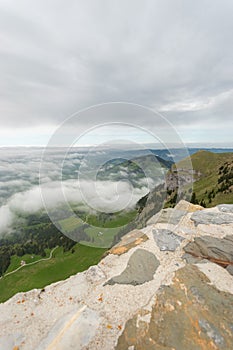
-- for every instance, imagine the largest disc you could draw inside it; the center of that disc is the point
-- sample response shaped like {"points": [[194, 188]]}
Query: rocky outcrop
{"points": [[168, 286], [182, 316], [172, 216]]}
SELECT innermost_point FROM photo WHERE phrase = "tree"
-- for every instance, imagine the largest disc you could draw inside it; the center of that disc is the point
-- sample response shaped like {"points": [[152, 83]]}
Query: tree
{"points": [[194, 198]]}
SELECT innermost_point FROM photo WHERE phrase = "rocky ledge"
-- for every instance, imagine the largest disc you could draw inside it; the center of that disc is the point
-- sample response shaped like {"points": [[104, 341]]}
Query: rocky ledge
{"points": [[168, 286]]}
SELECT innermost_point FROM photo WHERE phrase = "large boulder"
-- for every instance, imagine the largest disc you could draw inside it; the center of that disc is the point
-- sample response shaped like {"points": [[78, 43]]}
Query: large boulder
{"points": [[190, 314]]}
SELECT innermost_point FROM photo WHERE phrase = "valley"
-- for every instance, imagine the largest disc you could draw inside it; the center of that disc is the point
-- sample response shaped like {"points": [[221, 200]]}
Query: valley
{"points": [[35, 236]]}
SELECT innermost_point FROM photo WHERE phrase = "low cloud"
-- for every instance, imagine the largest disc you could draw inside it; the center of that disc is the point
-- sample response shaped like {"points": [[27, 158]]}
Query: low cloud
{"points": [[21, 194], [105, 196], [6, 218]]}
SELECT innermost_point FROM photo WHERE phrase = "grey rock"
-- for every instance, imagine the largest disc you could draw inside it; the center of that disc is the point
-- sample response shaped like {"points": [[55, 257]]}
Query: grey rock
{"points": [[197, 295], [211, 248], [128, 241], [230, 269], [206, 218], [211, 332], [190, 314], [187, 231], [191, 259], [169, 215], [225, 208], [140, 269], [166, 239]]}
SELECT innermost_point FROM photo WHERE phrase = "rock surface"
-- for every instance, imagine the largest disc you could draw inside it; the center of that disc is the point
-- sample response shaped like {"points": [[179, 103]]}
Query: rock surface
{"points": [[208, 217], [142, 295], [230, 269], [188, 207], [140, 269], [182, 316], [166, 239], [167, 216], [225, 208], [212, 248], [129, 241], [72, 331]]}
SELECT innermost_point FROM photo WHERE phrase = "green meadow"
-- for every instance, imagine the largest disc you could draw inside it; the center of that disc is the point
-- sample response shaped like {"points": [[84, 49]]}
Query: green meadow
{"points": [[59, 267]]}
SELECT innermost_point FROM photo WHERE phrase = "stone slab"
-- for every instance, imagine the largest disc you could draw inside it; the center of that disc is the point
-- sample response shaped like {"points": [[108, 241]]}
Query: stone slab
{"points": [[169, 215], [129, 241], [208, 217], [211, 248], [166, 239], [140, 269], [225, 208]]}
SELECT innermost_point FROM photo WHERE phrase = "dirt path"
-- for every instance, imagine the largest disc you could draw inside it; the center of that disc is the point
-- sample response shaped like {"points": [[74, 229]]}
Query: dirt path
{"points": [[32, 263]]}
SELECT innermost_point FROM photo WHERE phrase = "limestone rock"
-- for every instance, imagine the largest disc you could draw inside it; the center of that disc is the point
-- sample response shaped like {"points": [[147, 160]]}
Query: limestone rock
{"points": [[230, 269], [166, 239], [188, 308], [94, 274], [225, 208], [190, 259], [208, 217], [169, 215], [212, 248], [9, 342], [130, 240], [184, 316], [140, 269], [72, 331], [189, 207]]}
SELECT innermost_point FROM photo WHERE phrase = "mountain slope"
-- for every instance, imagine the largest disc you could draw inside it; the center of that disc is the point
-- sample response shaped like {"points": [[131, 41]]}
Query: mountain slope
{"points": [[213, 177], [212, 174], [135, 169]]}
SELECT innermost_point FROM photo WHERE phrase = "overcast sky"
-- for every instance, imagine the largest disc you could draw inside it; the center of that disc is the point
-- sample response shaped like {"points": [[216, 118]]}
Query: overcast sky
{"points": [[57, 57]]}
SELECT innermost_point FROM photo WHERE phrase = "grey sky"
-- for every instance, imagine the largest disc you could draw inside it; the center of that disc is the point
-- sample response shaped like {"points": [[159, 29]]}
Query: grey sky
{"points": [[57, 57]]}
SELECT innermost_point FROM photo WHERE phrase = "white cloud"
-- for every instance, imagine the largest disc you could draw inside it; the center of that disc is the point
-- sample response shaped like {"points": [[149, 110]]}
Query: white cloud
{"points": [[6, 218], [172, 57], [107, 196]]}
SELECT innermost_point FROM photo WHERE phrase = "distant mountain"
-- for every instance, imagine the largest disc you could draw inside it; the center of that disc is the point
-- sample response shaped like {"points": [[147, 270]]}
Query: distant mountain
{"points": [[177, 154], [135, 169]]}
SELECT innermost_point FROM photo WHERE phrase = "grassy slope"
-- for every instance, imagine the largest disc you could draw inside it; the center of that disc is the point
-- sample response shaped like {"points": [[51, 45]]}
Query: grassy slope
{"points": [[108, 228], [28, 258], [61, 266], [208, 164], [70, 223]]}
